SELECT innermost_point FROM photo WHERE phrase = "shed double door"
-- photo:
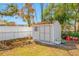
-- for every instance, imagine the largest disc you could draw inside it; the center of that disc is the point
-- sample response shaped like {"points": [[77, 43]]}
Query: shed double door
{"points": [[45, 33]]}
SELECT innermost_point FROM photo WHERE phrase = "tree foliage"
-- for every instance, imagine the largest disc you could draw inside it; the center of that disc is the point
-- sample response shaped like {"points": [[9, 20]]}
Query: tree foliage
{"points": [[10, 11], [26, 12]]}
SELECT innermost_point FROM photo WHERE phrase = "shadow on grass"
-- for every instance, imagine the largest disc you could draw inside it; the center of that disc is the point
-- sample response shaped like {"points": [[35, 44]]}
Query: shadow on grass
{"points": [[63, 47]]}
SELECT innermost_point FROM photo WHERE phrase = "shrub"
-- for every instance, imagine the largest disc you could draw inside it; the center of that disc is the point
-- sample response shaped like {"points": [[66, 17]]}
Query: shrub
{"points": [[73, 34]]}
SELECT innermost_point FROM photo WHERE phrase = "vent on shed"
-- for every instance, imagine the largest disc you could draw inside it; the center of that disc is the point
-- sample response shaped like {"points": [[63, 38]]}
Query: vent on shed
{"points": [[36, 29]]}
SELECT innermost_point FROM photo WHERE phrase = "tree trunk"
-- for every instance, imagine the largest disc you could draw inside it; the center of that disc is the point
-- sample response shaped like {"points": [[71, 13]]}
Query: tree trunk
{"points": [[78, 26], [75, 26], [42, 12], [29, 21], [78, 18]]}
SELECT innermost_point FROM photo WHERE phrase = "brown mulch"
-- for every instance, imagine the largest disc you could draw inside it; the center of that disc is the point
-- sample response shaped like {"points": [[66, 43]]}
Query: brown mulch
{"points": [[10, 44]]}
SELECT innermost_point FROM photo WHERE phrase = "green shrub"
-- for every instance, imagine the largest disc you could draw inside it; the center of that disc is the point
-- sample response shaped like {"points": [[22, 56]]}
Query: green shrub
{"points": [[73, 34]]}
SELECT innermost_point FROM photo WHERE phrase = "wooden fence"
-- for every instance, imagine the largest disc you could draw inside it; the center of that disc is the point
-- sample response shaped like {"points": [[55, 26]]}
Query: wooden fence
{"points": [[13, 32]]}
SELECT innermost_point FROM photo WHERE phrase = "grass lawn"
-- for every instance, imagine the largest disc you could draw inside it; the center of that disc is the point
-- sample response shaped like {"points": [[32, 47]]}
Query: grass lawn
{"points": [[38, 50]]}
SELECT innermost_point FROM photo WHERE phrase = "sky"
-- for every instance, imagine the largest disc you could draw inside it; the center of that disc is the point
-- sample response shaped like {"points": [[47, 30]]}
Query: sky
{"points": [[19, 20]]}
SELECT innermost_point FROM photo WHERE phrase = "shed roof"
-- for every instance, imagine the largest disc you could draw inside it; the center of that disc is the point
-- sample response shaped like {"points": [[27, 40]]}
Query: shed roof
{"points": [[43, 23]]}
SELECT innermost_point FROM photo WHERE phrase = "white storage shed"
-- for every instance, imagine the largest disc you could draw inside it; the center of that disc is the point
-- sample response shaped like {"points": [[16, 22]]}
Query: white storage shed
{"points": [[47, 33]]}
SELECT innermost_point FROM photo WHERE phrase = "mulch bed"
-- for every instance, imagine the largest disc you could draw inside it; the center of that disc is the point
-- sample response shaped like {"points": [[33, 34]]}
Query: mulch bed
{"points": [[10, 44]]}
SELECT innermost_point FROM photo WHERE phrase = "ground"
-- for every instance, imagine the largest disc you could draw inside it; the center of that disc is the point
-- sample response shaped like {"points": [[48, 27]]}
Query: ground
{"points": [[38, 50]]}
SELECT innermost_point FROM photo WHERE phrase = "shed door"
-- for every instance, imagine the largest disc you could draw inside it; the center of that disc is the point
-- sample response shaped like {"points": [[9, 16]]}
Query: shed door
{"points": [[47, 33], [41, 31]]}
